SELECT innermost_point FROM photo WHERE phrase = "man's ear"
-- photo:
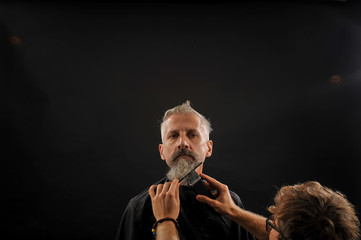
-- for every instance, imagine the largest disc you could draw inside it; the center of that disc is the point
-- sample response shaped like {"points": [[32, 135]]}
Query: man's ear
{"points": [[210, 148], [161, 151]]}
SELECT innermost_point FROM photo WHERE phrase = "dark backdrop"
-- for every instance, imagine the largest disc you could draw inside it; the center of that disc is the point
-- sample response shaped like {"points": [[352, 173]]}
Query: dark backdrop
{"points": [[84, 87]]}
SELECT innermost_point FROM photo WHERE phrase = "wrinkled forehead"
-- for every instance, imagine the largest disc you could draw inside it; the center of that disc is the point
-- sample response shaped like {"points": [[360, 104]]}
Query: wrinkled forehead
{"points": [[184, 122]]}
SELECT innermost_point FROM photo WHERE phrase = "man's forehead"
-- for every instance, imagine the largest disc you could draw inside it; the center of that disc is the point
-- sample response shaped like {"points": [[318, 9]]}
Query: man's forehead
{"points": [[183, 122]]}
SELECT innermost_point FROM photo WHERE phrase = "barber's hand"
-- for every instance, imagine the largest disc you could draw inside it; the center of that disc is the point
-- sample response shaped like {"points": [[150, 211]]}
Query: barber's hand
{"points": [[165, 199], [223, 203]]}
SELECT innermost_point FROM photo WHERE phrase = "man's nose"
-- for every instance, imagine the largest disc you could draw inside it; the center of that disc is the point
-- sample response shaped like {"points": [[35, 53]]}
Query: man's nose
{"points": [[183, 143]]}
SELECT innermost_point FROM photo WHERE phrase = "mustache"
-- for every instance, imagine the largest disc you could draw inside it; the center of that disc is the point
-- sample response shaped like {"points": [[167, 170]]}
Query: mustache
{"points": [[183, 152]]}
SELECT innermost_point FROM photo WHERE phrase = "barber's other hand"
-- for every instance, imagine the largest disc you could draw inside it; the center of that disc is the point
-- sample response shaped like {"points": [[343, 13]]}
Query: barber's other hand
{"points": [[165, 199], [223, 203]]}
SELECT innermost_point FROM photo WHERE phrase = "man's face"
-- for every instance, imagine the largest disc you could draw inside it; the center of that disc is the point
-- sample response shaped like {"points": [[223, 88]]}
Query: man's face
{"points": [[185, 131]]}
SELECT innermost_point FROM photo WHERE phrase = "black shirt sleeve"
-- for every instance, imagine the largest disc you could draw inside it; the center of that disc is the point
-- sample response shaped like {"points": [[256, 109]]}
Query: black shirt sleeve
{"points": [[137, 220]]}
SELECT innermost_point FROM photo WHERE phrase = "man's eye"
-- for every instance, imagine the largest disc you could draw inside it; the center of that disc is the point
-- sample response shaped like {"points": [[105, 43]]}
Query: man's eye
{"points": [[192, 135], [173, 136]]}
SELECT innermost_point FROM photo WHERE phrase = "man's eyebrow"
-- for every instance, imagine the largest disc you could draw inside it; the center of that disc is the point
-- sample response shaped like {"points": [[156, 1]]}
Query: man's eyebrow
{"points": [[172, 131], [193, 130]]}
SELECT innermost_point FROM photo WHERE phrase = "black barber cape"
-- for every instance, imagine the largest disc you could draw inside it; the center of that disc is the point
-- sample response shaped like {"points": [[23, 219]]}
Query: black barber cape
{"points": [[196, 220]]}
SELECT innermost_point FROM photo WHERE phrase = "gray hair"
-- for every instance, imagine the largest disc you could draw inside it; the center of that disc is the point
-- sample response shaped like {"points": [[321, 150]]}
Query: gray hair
{"points": [[184, 109]]}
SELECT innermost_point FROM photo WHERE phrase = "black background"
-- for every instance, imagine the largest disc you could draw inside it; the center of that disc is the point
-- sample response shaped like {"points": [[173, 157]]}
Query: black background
{"points": [[84, 87]]}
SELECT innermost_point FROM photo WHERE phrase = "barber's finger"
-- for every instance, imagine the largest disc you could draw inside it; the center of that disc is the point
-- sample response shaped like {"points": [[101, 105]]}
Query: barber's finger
{"points": [[174, 185], [177, 190], [217, 185], [207, 200], [166, 187], [152, 191], [159, 188]]}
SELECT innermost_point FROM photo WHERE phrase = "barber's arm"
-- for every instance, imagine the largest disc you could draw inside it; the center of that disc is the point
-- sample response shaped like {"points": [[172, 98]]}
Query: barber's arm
{"points": [[166, 205], [253, 223]]}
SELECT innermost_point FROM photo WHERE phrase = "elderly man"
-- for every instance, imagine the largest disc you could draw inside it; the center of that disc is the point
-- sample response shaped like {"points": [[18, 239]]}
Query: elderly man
{"points": [[305, 211], [185, 145]]}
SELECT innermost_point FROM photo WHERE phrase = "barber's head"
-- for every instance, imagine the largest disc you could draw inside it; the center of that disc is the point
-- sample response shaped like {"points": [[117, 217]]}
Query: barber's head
{"points": [[310, 211], [185, 139]]}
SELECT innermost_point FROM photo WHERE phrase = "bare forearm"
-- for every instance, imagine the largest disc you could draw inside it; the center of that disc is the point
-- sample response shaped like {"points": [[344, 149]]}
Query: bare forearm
{"points": [[252, 222], [167, 231]]}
